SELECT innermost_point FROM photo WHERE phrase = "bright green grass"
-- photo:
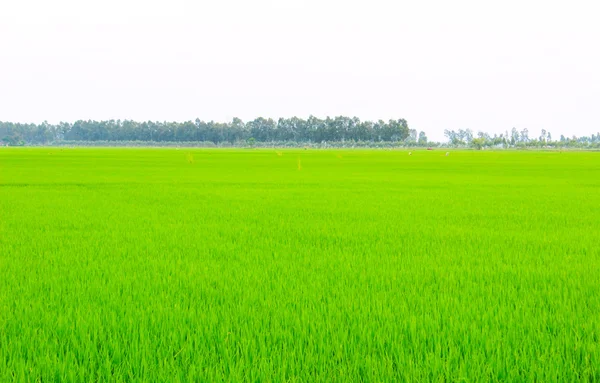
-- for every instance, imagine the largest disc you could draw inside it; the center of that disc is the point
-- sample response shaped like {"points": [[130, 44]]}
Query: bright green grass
{"points": [[212, 265]]}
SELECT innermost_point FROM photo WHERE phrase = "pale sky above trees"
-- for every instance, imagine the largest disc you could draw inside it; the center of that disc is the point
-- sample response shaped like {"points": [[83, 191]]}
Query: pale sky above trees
{"points": [[480, 65]]}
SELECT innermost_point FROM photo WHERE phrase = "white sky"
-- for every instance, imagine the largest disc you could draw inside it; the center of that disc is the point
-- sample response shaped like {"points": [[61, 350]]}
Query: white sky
{"points": [[483, 65]]}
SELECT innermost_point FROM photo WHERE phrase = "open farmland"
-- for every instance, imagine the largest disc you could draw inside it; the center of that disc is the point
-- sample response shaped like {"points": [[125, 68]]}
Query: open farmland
{"points": [[266, 265]]}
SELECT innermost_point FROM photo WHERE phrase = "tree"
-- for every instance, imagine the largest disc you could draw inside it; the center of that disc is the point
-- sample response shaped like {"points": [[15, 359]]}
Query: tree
{"points": [[478, 142], [514, 136], [486, 139], [422, 139], [454, 137], [411, 139]]}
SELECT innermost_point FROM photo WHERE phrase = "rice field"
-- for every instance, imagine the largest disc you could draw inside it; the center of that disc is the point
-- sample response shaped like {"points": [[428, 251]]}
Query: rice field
{"points": [[165, 265]]}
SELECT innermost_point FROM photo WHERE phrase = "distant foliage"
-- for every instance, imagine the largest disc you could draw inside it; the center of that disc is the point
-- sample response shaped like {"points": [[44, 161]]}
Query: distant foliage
{"points": [[311, 130], [343, 132], [518, 139]]}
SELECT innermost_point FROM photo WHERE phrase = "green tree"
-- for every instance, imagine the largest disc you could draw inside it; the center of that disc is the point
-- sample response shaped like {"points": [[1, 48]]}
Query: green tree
{"points": [[422, 139], [478, 143]]}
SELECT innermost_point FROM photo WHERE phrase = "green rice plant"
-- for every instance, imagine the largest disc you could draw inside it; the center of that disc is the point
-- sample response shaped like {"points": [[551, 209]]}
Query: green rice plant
{"points": [[131, 265]]}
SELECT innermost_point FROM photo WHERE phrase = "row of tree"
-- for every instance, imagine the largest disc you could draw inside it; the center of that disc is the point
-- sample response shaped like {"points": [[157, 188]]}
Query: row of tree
{"points": [[313, 129], [517, 139], [341, 131]]}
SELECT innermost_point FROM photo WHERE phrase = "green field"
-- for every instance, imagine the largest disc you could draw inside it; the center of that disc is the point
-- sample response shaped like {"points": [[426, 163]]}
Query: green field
{"points": [[169, 265]]}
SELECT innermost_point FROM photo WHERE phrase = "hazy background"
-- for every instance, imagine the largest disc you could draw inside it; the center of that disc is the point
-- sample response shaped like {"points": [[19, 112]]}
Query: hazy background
{"points": [[480, 65]]}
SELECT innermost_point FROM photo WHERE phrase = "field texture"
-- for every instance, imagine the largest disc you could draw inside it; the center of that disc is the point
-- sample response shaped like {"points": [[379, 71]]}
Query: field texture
{"points": [[263, 265]]}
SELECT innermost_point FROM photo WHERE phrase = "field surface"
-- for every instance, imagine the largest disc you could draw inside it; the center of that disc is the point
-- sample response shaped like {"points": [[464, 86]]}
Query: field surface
{"points": [[164, 265]]}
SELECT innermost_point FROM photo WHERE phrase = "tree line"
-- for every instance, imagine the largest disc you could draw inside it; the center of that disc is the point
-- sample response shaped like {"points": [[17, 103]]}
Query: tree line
{"points": [[518, 139], [337, 131], [313, 130]]}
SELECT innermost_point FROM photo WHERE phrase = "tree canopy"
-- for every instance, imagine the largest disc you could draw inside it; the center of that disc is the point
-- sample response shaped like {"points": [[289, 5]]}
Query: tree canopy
{"points": [[293, 131], [313, 129], [518, 139]]}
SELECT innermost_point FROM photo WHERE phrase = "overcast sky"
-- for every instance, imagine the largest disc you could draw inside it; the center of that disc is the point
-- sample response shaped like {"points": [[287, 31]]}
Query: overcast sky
{"points": [[483, 65]]}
